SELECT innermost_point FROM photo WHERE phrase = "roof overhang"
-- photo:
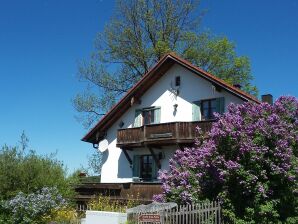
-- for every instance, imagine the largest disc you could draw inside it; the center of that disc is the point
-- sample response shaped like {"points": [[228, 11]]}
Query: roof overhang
{"points": [[98, 132]]}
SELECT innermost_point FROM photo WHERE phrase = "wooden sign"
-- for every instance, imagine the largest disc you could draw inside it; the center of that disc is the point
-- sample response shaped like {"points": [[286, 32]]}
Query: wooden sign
{"points": [[150, 218]]}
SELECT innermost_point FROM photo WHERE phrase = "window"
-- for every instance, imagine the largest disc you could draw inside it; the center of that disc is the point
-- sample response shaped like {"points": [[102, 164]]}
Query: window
{"points": [[177, 81], [146, 116], [208, 107], [144, 167], [204, 109]]}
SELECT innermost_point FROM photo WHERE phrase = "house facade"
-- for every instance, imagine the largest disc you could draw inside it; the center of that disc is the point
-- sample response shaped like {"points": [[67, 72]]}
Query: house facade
{"points": [[156, 117]]}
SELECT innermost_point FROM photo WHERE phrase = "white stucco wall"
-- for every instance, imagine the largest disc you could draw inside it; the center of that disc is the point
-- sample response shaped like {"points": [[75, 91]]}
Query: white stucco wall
{"points": [[193, 88], [100, 217]]}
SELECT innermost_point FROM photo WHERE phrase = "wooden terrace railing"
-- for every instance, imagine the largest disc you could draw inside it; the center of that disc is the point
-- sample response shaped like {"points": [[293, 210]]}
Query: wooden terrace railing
{"points": [[139, 191]]}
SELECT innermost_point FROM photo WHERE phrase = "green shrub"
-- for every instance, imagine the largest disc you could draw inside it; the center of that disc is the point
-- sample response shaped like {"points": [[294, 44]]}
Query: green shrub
{"points": [[106, 203], [29, 172]]}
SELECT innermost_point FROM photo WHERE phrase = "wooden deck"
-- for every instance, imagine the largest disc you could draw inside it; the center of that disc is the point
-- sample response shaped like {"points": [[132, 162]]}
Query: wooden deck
{"points": [[161, 134]]}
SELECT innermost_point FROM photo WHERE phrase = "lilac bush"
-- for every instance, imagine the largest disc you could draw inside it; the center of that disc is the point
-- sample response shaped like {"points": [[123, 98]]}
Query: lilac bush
{"points": [[248, 161], [32, 208]]}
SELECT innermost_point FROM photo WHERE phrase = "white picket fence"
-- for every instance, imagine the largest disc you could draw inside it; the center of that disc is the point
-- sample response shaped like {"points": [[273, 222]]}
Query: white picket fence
{"points": [[204, 213]]}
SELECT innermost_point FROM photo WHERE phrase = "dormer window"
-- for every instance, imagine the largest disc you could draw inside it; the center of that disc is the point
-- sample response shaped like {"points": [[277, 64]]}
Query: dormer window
{"points": [[146, 116]]}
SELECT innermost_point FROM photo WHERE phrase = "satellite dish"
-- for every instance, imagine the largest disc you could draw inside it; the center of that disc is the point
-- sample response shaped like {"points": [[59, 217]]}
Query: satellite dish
{"points": [[103, 145]]}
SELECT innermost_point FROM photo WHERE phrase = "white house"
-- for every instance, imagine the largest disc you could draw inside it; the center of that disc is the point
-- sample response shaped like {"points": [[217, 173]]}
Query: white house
{"points": [[157, 116]]}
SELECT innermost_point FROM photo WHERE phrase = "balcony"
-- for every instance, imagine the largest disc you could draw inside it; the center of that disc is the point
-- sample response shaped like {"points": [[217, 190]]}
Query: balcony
{"points": [[161, 134]]}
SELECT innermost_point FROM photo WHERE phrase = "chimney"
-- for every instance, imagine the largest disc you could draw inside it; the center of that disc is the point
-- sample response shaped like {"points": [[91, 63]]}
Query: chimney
{"points": [[267, 98]]}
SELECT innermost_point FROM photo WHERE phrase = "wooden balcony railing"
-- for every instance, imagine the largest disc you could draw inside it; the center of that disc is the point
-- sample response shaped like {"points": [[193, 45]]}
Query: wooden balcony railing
{"points": [[161, 134]]}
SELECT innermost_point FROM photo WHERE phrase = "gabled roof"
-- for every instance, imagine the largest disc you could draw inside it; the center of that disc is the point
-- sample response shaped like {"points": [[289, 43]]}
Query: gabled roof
{"points": [[165, 63]]}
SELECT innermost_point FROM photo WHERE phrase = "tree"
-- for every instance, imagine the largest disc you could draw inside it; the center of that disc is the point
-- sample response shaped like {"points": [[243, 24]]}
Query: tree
{"points": [[24, 141], [23, 170], [249, 161], [138, 35], [95, 162]]}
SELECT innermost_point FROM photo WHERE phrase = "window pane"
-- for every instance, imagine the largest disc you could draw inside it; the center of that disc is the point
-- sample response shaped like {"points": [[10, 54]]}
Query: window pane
{"points": [[149, 116], [152, 116], [146, 167], [208, 108], [205, 113], [213, 103], [205, 104], [212, 112], [146, 117]]}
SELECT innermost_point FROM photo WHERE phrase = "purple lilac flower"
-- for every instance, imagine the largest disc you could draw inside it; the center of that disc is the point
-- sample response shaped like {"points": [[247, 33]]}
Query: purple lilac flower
{"points": [[249, 147]]}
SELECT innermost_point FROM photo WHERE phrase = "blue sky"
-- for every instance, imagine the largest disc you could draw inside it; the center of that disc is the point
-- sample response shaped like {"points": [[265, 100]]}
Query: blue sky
{"points": [[42, 41]]}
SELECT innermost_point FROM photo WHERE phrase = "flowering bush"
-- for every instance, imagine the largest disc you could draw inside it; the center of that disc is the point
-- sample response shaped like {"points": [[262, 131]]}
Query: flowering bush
{"points": [[106, 203], [65, 215], [249, 162], [34, 207]]}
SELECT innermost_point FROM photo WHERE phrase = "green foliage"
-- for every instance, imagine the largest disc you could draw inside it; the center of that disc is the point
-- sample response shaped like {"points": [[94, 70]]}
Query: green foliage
{"points": [[66, 215], [90, 179], [95, 162], [22, 170], [32, 187], [28, 172], [105, 203], [137, 36], [217, 55], [131, 222]]}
